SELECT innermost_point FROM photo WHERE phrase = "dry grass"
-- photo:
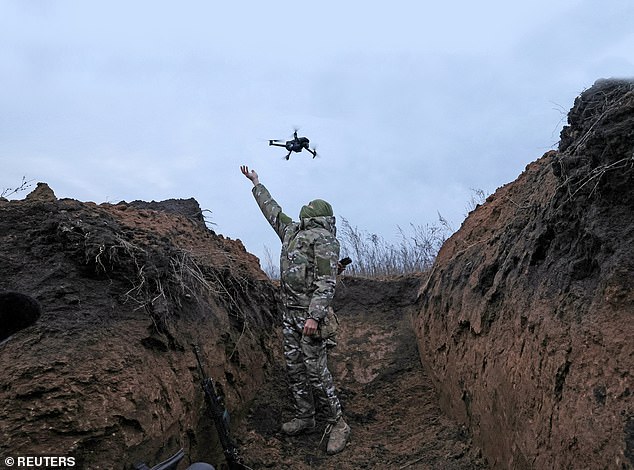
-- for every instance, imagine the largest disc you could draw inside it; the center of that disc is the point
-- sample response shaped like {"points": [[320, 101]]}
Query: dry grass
{"points": [[590, 181], [24, 185], [373, 256]]}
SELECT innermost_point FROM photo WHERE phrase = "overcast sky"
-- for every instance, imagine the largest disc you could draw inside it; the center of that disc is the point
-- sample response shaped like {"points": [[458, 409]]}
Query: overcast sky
{"points": [[412, 104]]}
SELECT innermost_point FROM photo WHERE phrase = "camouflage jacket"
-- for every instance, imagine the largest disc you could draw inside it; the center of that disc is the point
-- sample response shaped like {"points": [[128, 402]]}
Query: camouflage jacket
{"points": [[308, 262]]}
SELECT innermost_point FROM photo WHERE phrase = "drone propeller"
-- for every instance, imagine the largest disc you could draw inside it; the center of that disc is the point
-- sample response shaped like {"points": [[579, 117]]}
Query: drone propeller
{"points": [[295, 131]]}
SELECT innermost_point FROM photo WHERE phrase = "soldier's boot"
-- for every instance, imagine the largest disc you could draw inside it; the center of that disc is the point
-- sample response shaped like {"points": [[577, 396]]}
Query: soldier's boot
{"points": [[298, 425], [338, 437]]}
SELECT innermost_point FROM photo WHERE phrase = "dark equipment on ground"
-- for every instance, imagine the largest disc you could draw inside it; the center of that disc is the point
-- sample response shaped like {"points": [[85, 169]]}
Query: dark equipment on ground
{"points": [[296, 145], [220, 417], [172, 464]]}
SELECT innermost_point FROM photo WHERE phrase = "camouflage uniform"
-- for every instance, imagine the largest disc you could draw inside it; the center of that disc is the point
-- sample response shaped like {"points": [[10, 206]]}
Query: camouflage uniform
{"points": [[308, 266]]}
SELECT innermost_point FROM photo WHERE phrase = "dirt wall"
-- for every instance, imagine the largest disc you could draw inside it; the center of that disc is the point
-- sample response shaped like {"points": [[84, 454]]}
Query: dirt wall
{"points": [[107, 373], [526, 321]]}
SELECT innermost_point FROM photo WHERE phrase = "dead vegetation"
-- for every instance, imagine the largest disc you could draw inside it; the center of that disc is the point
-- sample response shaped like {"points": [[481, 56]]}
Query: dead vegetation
{"points": [[374, 256], [596, 151], [23, 186]]}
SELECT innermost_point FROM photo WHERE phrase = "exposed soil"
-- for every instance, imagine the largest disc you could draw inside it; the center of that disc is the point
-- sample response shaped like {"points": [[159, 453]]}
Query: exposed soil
{"points": [[515, 351], [106, 372], [388, 399], [526, 321]]}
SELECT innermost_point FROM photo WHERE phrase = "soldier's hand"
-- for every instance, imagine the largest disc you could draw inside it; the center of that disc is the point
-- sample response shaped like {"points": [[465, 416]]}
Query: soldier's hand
{"points": [[252, 175], [342, 264], [310, 327]]}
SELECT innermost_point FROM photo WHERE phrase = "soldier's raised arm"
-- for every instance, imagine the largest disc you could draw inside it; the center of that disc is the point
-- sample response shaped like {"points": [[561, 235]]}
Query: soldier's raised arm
{"points": [[269, 207]]}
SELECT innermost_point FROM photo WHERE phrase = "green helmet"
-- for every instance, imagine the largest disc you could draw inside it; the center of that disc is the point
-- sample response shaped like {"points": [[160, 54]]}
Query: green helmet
{"points": [[316, 208]]}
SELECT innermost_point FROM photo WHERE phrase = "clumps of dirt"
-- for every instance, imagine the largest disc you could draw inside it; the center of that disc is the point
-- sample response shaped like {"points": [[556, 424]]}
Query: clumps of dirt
{"points": [[183, 207], [525, 322], [107, 374], [596, 155]]}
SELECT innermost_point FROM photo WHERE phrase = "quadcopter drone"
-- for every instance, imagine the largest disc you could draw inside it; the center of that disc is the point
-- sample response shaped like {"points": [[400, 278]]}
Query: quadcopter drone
{"points": [[296, 145]]}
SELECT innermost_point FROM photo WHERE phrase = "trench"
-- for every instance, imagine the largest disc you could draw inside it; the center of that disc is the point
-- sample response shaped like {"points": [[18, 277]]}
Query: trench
{"points": [[388, 399]]}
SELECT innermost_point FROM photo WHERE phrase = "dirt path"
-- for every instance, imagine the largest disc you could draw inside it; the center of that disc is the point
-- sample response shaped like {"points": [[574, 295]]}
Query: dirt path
{"points": [[388, 399]]}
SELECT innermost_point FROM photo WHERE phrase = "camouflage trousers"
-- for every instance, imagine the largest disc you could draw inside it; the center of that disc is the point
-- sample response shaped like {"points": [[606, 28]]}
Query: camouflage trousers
{"points": [[306, 363]]}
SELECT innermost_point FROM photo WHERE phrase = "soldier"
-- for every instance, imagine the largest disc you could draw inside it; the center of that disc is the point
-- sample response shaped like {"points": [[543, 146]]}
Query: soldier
{"points": [[308, 267]]}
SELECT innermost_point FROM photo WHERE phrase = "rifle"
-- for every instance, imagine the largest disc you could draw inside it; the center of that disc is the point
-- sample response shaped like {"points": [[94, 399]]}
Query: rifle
{"points": [[220, 417]]}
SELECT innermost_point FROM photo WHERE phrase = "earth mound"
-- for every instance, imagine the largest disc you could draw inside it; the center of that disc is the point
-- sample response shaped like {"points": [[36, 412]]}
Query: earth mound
{"points": [[100, 306], [526, 322]]}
